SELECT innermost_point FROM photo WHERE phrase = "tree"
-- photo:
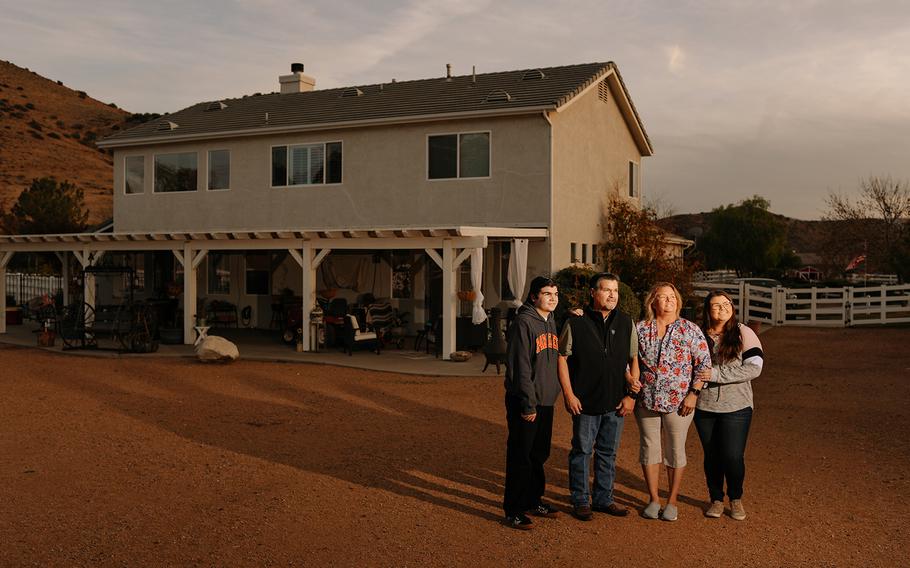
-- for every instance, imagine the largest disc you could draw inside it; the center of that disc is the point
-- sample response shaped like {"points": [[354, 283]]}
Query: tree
{"points": [[875, 223], [635, 249], [747, 237], [48, 207]]}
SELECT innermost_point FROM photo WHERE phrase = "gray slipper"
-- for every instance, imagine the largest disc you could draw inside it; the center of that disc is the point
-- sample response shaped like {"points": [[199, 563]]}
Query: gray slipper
{"points": [[651, 511], [670, 513]]}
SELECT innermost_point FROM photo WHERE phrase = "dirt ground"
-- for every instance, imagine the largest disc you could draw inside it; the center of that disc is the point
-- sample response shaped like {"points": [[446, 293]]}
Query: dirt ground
{"points": [[146, 462]]}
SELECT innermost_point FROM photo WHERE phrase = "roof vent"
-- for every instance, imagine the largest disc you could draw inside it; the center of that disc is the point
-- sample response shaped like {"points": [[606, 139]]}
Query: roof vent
{"points": [[533, 75], [603, 91], [167, 125], [352, 92], [498, 96], [217, 105]]}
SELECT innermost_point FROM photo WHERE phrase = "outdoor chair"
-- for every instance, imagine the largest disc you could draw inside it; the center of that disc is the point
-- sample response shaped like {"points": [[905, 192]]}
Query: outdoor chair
{"points": [[431, 333], [355, 336], [382, 317]]}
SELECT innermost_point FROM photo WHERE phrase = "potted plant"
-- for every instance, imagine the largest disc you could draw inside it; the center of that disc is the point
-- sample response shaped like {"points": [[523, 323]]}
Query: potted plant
{"points": [[466, 295]]}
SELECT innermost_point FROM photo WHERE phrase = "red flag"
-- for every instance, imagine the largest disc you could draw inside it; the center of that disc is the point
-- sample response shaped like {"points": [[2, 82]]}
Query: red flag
{"points": [[856, 262]]}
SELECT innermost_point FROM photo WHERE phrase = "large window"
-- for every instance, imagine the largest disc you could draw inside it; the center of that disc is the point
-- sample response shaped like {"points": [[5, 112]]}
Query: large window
{"points": [[306, 164], [219, 169], [175, 172], [465, 155], [134, 174], [219, 273]]}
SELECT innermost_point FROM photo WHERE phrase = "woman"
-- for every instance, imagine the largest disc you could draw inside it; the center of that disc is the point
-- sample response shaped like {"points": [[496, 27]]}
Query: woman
{"points": [[671, 351], [724, 410]]}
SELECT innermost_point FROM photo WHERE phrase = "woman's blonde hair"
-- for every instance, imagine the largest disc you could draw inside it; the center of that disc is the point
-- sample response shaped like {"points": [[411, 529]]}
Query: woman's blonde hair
{"points": [[652, 297]]}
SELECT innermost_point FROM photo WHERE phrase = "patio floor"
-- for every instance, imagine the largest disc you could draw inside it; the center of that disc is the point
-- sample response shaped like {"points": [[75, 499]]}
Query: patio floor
{"points": [[263, 345]]}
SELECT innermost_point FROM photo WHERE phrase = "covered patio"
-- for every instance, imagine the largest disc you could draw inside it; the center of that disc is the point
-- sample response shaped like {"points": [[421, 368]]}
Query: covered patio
{"points": [[447, 247]]}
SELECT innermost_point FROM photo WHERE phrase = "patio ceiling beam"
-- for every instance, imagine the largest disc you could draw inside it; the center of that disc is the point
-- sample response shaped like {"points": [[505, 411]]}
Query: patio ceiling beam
{"points": [[317, 260], [462, 256], [434, 256]]}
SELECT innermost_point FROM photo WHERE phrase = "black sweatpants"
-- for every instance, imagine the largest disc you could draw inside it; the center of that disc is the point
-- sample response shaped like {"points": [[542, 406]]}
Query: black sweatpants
{"points": [[527, 449]]}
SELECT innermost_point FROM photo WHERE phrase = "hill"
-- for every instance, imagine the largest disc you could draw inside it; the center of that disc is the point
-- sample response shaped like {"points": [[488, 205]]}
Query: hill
{"points": [[803, 236], [48, 129]]}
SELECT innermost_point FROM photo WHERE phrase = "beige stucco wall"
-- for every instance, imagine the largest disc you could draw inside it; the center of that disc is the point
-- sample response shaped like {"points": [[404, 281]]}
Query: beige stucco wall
{"points": [[592, 148], [384, 183]]}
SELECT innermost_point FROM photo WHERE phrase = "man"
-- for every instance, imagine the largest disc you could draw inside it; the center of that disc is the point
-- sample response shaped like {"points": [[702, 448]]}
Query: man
{"points": [[531, 389], [598, 366]]}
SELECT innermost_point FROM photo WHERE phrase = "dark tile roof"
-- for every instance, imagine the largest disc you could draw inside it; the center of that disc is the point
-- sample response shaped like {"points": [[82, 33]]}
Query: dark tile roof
{"points": [[380, 102]]}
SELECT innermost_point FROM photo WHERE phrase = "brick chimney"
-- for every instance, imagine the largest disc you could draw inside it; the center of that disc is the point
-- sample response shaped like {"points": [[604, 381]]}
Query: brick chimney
{"points": [[297, 81]]}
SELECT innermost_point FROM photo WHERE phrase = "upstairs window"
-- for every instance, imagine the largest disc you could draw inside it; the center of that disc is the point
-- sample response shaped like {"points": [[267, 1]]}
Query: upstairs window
{"points": [[465, 155], [134, 174], [306, 164], [219, 169], [175, 172]]}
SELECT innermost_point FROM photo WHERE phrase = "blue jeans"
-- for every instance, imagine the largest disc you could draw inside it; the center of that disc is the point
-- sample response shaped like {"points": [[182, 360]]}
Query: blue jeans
{"points": [[723, 437], [600, 435]]}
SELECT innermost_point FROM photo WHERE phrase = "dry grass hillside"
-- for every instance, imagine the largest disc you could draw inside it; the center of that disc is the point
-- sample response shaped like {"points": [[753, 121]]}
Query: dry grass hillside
{"points": [[48, 129]]}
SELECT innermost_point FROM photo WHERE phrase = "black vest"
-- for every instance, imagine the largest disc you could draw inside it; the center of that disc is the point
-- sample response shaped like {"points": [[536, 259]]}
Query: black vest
{"points": [[600, 353]]}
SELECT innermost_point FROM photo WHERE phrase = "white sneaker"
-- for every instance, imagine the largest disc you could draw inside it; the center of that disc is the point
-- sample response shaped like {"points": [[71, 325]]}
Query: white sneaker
{"points": [[715, 510], [737, 511]]}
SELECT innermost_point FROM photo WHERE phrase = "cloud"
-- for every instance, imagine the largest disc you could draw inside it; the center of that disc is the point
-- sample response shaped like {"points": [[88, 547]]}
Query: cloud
{"points": [[675, 59]]}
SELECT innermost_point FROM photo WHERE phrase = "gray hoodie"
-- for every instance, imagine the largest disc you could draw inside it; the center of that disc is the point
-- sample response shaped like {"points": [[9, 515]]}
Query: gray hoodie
{"points": [[531, 374]]}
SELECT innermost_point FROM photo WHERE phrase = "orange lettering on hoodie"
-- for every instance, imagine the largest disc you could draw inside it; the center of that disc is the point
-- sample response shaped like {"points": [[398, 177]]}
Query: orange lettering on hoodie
{"points": [[547, 341]]}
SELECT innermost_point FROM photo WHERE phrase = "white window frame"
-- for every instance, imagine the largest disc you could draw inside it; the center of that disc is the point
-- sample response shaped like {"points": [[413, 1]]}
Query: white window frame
{"points": [[325, 158], [127, 157], [154, 175], [634, 189], [208, 168], [208, 273], [426, 168]]}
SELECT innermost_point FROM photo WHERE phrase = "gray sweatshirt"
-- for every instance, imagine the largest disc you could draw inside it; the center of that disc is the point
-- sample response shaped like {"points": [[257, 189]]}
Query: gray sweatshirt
{"points": [[730, 387]]}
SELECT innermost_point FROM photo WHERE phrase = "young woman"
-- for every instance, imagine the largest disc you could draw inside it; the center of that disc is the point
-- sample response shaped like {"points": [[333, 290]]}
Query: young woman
{"points": [[724, 409], [671, 350]]}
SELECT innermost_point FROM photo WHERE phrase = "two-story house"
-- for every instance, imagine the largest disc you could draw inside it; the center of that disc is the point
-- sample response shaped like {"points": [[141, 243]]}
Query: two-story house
{"points": [[423, 182]]}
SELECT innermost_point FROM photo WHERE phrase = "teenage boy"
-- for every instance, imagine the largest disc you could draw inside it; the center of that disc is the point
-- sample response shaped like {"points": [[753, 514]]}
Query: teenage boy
{"points": [[598, 364], [532, 386]]}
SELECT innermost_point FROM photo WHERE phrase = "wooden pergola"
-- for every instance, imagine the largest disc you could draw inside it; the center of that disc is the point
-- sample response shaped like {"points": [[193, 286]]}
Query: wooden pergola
{"points": [[448, 247]]}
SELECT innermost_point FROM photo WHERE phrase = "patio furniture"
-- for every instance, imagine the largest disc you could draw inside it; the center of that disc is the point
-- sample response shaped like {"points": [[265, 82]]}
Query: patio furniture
{"points": [[219, 313], [355, 336], [431, 333]]}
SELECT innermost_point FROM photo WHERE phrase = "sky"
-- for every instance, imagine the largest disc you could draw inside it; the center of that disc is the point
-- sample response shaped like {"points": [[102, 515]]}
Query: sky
{"points": [[788, 100]]}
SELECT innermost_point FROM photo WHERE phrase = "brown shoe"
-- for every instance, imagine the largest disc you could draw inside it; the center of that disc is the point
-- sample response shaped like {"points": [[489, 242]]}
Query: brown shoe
{"points": [[612, 509], [582, 512]]}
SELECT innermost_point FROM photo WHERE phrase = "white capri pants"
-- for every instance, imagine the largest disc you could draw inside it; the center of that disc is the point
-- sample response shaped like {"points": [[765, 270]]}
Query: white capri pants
{"points": [[673, 428]]}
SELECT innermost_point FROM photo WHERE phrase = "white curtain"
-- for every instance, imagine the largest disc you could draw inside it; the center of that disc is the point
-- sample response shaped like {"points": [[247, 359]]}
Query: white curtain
{"points": [[477, 313], [518, 269]]}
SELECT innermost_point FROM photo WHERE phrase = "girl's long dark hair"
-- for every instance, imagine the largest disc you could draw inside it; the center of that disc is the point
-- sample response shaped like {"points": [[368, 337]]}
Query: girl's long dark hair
{"points": [[731, 340]]}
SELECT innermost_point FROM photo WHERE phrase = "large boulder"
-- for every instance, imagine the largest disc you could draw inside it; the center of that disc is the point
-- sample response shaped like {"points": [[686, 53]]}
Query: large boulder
{"points": [[214, 349]]}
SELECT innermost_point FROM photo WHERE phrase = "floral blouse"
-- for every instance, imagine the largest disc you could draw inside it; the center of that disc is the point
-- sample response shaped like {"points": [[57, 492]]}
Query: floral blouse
{"points": [[668, 365]]}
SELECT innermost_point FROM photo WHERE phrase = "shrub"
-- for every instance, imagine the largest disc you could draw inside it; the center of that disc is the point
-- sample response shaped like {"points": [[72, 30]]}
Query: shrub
{"points": [[573, 291], [82, 94], [29, 106], [53, 135], [35, 125]]}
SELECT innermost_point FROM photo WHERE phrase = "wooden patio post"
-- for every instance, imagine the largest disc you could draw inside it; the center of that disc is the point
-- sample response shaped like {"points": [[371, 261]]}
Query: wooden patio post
{"points": [[5, 257], [449, 305]]}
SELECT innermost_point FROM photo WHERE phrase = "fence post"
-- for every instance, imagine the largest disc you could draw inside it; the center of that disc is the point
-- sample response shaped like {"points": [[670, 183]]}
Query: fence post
{"points": [[848, 306], [743, 303], [884, 305], [779, 306]]}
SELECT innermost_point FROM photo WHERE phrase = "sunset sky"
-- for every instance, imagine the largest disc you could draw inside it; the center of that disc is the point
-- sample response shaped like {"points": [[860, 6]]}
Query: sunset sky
{"points": [[789, 100]]}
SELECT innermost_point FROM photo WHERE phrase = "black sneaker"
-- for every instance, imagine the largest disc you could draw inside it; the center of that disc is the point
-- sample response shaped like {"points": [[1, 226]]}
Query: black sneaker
{"points": [[519, 521], [544, 510]]}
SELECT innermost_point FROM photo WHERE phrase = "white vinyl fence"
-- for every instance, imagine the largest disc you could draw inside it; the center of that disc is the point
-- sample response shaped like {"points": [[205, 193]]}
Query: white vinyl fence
{"points": [[24, 287], [835, 307]]}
